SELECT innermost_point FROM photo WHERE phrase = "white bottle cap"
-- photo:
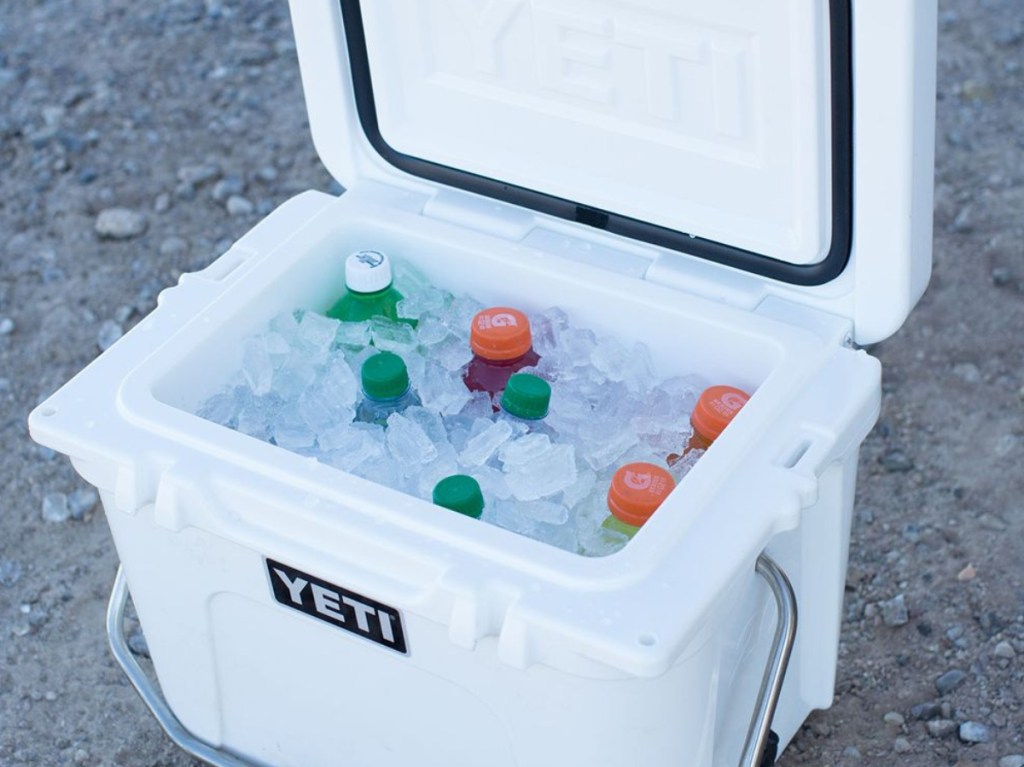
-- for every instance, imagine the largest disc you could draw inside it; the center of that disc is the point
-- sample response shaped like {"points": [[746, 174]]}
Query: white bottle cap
{"points": [[367, 271]]}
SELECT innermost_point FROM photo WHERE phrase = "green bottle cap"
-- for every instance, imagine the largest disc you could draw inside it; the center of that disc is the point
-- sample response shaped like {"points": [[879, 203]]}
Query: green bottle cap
{"points": [[526, 396], [460, 493], [384, 376]]}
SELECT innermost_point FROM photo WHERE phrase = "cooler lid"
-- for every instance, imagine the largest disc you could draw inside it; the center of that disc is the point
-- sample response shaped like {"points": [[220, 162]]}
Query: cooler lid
{"points": [[723, 131]]}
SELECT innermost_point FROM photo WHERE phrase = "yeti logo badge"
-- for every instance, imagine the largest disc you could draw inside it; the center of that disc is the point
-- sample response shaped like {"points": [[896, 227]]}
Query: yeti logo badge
{"points": [[340, 607]]}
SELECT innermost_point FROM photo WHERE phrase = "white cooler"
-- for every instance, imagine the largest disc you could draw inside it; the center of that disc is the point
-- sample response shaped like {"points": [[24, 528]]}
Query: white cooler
{"points": [[744, 186]]}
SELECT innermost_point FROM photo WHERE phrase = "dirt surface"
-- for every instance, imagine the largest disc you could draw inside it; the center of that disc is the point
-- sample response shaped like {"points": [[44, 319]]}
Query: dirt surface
{"points": [[189, 114]]}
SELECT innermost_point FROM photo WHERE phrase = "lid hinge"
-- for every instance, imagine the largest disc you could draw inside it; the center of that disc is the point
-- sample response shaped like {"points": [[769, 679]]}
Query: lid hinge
{"points": [[471, 211]]}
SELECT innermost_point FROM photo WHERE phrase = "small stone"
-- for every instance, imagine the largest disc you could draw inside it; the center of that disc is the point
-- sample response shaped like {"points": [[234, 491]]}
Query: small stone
{"points": [[963, 222], [949, 681], [852, 752], [6, 326], [137, 643], [123, 314], [894, 611], [197, 175], [941, 728], [162, 203], [10, 572], [82, 501], [81, 756], [108, 334], [992, 522], [902, 746], [229, 186], [1001, 276], [50, 695], [925, 711], [896, 461], [1004, 650], [967, 574], [974, 732], [120, 224], [173, 247], [1012, 760], [968, 372], [894, 719], [239, 206], [267, 173], [55, 507]]}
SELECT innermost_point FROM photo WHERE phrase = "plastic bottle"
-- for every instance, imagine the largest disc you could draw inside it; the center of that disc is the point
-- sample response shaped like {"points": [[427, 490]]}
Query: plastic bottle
{"points": [[502, 345], [635, 493], [526, 399], [369, 289], [460, 493], [386, 389], [715, 409]]}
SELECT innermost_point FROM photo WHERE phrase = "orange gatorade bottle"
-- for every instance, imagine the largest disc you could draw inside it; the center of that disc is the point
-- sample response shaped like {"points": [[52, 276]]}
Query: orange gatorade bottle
{"points": [[715, 409], [635, 493], [502, 344]]}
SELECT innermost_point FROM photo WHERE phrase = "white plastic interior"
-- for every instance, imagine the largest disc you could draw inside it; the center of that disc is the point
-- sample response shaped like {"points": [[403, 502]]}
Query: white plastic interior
{"points": [[706, 118]]}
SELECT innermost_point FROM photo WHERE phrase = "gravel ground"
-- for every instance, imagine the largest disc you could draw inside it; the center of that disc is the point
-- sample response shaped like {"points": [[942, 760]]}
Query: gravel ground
{"points": [[138, 140]]}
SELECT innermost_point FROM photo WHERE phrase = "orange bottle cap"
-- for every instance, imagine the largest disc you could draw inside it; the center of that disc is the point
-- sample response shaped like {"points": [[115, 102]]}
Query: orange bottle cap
{"points": [[715, 409], [500, 334], [638, 489]]}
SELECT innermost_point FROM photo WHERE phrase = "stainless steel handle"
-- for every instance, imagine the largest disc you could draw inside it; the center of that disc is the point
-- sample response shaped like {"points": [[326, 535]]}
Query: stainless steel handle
{"points": [[148, 691], [778, 660]]}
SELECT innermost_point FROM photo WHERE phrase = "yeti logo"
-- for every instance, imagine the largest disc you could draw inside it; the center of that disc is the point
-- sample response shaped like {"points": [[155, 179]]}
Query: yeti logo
{"points": [[340, 607], [371, 258]]}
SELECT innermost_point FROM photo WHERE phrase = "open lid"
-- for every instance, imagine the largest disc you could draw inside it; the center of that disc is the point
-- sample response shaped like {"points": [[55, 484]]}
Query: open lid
{"points": [[723, 131]]}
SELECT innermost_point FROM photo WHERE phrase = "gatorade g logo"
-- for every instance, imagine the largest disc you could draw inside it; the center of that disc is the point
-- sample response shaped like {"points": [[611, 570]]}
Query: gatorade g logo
{"points": [[370, 258], [731, 402], [637, 481], [500, 320]]}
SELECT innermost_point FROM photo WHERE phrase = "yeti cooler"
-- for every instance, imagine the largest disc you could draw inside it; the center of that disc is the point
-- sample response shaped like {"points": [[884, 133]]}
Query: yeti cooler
{"points": [[746, 186]]}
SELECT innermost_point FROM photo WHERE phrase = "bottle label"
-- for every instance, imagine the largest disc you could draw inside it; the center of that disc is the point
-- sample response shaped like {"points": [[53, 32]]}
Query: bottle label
{"points": [[338, 606]]}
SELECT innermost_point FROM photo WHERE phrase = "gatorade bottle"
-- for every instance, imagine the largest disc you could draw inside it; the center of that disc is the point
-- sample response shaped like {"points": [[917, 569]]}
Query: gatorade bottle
{"points": [[369, 289], [460, 493], [715, 409], [501, 343], [386, 388], [636, 491], [526, 398]]}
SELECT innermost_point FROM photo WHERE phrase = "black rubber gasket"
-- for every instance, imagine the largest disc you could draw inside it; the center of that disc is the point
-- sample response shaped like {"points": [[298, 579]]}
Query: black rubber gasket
{"points": [[818, 273]]}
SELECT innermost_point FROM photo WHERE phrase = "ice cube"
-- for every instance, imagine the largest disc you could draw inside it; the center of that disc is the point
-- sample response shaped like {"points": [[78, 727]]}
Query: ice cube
{"points": [[290, 431], [353, 335], [481, 447], [444, 465], [55, 507], [525, 449], [577, 344], [547, 328], [460, 315], [430, 331], [257, 366], [408, 443], [443, 391], [546, 512], [492, 483], [479, 405], [316, 335], [452, 354], [287, 325], [389, 336], [347, 447], [222, 408], [293, 377], [580, 489], [544, 475], [611, 359], [320, 410], [431, 423], [420, 302]]}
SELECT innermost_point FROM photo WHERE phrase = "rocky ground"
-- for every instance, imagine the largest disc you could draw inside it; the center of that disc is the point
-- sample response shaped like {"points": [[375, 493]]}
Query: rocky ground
{"points": [[138, 140]]}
